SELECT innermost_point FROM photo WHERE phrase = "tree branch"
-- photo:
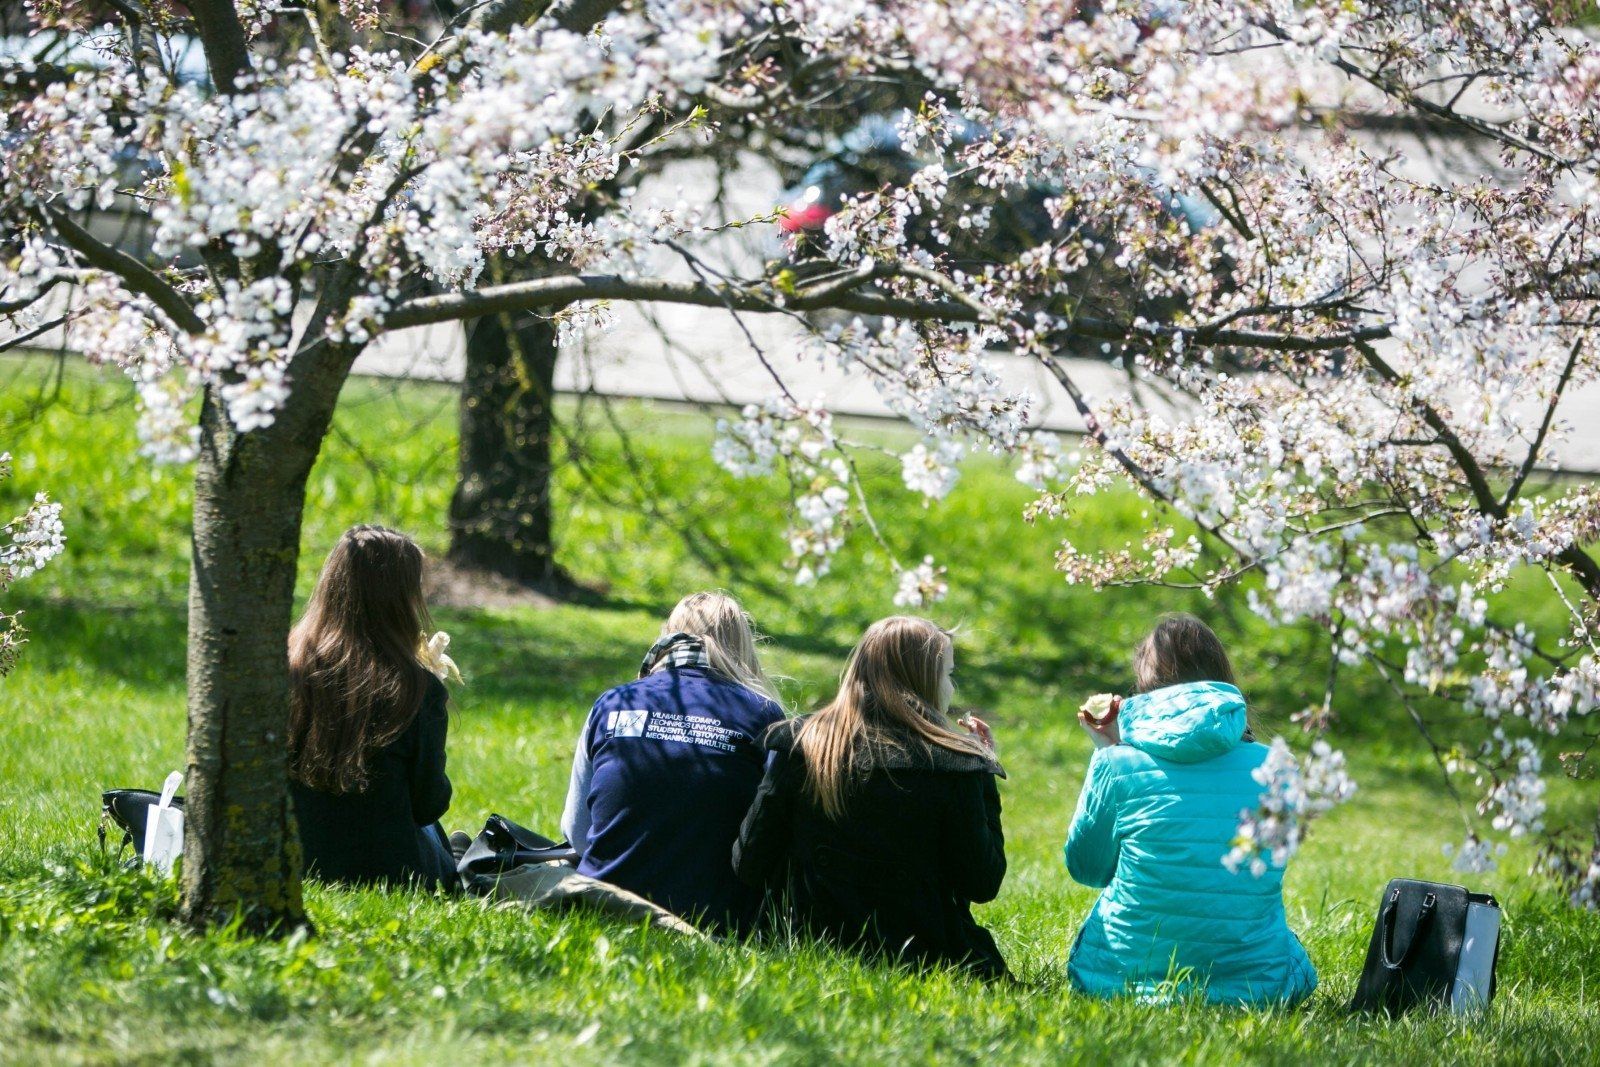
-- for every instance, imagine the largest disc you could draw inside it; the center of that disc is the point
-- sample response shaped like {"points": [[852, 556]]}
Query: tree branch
{"points": [[774, 94], [1439, 112], [1544, 427], [11, 307], [132, 13], [27, 335], [135, 275], [1578, 563], [559, 290], [1583, 567], [1465, 460], [579, 16]]}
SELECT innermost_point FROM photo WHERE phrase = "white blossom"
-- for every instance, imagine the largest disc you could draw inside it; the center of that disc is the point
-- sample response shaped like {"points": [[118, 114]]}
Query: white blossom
{"points": [[27, 543], [921, 585], [167, 431], [33, 539], [1041, 460], [1291, 797], [932, 471], [1474, 855]]}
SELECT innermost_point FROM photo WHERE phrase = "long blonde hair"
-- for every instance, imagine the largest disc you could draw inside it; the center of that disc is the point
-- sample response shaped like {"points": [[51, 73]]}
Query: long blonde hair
{"points": [[890, 699], [728, 635]]}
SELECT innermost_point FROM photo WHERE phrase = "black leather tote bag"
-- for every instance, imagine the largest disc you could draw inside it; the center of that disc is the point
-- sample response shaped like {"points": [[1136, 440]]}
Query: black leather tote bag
{"points": [[1434, 945], [502, 846], [128, 810]]}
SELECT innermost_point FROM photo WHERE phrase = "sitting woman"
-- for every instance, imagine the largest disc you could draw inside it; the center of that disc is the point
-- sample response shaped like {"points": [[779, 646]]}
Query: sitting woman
{"points": [[367, 725], [666, 767], [1158, 812], [878, 822]]}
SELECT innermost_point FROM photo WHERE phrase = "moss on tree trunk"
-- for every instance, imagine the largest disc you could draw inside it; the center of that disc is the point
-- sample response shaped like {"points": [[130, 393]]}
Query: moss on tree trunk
{"points": [[241, 849]]}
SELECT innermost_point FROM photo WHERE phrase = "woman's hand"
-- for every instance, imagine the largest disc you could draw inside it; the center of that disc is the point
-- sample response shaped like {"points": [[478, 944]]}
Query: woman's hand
{"points": [[979, 729], [1098, 716]]}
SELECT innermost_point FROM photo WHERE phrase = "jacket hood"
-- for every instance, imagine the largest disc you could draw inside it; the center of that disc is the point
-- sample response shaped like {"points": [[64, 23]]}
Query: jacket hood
{"points": [[1184, 723]]}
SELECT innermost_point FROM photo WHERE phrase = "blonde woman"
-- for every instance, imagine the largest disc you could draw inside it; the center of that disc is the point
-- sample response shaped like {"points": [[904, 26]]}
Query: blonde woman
{"points": [[878, 819], [667, 765]]}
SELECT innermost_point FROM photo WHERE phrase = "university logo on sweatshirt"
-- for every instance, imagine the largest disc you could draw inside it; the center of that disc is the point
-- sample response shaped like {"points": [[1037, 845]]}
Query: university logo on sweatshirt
{"points": [[629, 722], [703, 730]]}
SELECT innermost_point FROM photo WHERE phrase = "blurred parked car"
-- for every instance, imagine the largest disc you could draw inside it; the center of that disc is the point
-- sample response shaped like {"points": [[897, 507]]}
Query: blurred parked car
{"points": [[871, 156]]}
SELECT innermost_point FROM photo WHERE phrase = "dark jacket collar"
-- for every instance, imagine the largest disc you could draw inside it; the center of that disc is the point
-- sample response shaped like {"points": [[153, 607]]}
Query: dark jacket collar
{"points": [[783, 736]]}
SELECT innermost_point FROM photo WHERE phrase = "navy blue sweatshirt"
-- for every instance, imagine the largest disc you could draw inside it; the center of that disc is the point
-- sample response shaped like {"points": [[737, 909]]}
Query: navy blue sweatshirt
{"points": [[665, 770]]}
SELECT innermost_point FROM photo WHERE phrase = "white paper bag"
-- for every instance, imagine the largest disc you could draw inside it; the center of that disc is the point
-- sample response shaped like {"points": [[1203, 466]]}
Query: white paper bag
{"points": [[163, 832], [1475, 973]]}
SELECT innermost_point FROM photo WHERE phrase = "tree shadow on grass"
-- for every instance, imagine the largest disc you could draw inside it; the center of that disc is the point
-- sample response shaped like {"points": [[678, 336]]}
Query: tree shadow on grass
{"points": [[141, 644], [543, 658], [1030, 649]]}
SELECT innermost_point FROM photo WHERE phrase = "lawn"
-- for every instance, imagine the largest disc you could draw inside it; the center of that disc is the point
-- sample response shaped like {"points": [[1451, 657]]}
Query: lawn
{"points": [[91, 971]]}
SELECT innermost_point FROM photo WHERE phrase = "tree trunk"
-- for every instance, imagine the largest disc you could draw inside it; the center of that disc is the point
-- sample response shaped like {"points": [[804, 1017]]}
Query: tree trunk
{"points": [[241, 849], [500, 518], [223, 38]]}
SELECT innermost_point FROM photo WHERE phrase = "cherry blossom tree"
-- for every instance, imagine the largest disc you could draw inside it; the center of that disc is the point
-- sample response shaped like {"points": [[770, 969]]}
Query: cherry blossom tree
{"points": [[27, 543], [1368, 361]]}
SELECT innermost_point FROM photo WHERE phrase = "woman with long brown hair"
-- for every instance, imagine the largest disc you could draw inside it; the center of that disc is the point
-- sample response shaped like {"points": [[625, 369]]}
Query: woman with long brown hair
{"points": [[367, 722], [877, 823]]}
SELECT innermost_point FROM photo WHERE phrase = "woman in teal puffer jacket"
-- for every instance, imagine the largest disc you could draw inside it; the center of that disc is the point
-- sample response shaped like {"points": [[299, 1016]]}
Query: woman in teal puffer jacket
{"points": [[1158, 812]]}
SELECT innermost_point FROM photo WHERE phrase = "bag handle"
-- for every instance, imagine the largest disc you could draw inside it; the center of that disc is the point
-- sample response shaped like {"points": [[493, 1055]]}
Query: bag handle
{"points": [[1387, 922], [169, 789]]}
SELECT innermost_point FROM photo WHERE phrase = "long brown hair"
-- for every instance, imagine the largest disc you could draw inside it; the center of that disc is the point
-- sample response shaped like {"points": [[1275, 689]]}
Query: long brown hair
{"points": [[1180, 649], [889, 699], [356, 683]]}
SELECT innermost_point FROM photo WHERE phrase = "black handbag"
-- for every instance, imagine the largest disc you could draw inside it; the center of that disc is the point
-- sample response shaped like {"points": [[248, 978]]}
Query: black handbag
{"points": [[1434, 945], [503, 845], [128, 810]]}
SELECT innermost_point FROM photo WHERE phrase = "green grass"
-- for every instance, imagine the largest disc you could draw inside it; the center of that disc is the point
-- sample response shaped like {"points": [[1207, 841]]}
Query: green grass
{"points": [[90, 970]]}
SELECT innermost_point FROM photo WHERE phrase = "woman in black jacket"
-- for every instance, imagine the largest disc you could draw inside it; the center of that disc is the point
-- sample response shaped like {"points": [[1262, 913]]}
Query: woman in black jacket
{"points": [[367, 722], [877, 823]]}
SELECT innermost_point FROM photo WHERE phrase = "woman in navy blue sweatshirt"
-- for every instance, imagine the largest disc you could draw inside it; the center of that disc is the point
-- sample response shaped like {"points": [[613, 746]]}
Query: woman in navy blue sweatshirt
{"points": [[667, 765]]}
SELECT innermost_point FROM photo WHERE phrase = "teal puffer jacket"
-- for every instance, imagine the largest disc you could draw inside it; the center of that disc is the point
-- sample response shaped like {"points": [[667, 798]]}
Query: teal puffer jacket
{"points": [[1156, 815]]}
